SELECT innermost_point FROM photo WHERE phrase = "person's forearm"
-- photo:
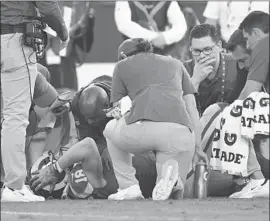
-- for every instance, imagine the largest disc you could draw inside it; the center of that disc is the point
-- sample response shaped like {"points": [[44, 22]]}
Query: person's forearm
{"points": [[195, 83], [127, 27], [178, 22], [134, 30], [175, 34], [194, 117]]}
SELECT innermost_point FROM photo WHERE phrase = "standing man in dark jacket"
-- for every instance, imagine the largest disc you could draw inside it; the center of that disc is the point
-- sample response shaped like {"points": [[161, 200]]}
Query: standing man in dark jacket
{"points": [[20, 20], [79, 17]]}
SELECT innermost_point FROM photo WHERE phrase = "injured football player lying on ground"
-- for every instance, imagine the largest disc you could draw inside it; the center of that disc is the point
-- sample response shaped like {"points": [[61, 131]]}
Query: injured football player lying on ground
{"points": [[86, 171], [87, 163]]}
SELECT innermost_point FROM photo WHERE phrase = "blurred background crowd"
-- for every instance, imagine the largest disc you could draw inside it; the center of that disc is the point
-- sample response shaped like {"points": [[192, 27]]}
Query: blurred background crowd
{"points": [[109, 27]]}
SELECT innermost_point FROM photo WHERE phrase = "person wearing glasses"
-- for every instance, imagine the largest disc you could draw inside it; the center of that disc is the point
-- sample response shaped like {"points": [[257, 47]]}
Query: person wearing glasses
{"points": [[213, 73]]}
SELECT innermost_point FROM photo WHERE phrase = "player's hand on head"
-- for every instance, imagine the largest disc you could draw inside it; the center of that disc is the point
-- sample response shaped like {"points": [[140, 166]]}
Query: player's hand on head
{"points": [[114, 111], [45, 176]]}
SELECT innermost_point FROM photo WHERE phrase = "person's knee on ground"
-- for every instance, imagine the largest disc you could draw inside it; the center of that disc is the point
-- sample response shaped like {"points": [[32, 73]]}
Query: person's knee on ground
{"points": [[146, 174], [121, 160], [122, 165]]}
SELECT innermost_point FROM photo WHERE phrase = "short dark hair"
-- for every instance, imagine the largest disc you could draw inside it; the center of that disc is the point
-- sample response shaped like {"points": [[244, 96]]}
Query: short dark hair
{"points": [[256, 19], [237, 38], [203, 30]]}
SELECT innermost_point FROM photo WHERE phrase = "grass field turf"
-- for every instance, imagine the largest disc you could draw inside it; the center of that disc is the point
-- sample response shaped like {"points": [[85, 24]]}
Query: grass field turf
{"points": [[216, 209]]}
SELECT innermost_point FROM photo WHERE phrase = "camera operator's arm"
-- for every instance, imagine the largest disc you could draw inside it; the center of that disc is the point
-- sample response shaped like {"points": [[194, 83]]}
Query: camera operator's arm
{"points": [[52, 15]]}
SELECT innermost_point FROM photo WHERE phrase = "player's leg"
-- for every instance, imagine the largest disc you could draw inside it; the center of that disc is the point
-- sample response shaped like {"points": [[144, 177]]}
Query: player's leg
{"points": [[86, 152], [257, 186], [124, 140], [110, 188], [108, 174], [145, 166], [179, 149], [261, 146]]}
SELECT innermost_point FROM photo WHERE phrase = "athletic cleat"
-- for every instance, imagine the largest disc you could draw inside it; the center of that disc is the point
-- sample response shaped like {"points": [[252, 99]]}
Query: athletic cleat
{"points": [[164, 187], [254, 188], [32, 197], [131, 193], [261, 192]]}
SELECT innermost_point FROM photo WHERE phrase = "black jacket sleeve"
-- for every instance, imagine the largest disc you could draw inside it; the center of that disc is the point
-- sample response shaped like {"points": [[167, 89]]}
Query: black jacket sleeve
{"points": [[52, 15]]}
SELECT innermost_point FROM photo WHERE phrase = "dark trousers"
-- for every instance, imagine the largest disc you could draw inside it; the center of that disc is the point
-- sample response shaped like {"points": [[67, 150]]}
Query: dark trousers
{"points": [[146, 174]]}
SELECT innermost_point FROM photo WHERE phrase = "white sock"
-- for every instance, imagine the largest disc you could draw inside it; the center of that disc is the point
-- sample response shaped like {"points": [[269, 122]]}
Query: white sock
{"points": [[257, 181]]}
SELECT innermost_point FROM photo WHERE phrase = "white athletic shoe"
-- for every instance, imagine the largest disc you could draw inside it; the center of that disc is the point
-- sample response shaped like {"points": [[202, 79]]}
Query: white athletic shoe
{"points": [[131, 193], [164, 187], [262, 192], [253, 188], [32, 197], [23, 195]]}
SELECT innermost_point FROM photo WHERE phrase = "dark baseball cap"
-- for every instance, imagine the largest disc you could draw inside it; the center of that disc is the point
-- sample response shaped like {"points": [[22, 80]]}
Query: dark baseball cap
{"points": [[236, 38], [130, 47]]}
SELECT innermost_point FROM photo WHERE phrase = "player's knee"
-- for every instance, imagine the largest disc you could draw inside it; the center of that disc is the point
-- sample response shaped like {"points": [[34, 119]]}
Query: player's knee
{"points": [[90, 145]]}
